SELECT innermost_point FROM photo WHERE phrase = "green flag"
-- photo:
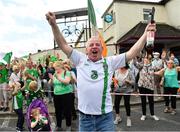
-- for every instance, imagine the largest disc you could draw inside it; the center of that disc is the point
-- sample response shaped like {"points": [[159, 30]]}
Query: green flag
{"points": [[7, 57], [91, 13], [92, 17]]}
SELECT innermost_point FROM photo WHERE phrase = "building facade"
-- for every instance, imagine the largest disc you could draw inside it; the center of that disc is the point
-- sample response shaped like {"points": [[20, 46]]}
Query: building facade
{"points": [[127, 14]]}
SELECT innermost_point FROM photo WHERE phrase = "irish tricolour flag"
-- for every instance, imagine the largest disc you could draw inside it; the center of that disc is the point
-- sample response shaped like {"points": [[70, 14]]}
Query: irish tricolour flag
{"points": [[92, 18]]}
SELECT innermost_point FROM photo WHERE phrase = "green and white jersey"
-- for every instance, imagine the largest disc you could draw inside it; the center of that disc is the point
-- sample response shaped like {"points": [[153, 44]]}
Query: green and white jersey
{"points": [[93, 90], [38, 94], [18, 100]]}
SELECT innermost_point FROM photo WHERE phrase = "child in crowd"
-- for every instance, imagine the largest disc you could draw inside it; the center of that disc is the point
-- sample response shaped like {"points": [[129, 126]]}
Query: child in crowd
{"points": [[34, 92], [38, 121], [18, 104]]}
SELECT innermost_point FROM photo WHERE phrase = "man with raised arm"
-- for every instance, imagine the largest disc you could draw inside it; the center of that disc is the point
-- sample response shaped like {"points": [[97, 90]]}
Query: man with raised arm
{"points": [[94, 75]]}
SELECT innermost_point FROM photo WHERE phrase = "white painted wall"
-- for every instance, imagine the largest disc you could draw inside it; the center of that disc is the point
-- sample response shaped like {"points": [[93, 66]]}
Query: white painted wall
{"points": [[127, 15], [173, 11]]}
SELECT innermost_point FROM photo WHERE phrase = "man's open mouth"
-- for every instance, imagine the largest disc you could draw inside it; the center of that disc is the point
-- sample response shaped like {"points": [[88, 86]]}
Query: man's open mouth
{"points": [[94, 52]]}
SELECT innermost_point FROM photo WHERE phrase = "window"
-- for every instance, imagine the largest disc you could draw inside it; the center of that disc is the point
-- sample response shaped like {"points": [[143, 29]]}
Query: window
{"points": [[146, 14]]}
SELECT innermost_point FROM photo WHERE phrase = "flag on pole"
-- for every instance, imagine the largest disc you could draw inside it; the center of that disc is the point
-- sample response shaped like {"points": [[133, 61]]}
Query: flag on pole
{"points": [[7, 57], [105, 51], [1, 58], [92, 18]]}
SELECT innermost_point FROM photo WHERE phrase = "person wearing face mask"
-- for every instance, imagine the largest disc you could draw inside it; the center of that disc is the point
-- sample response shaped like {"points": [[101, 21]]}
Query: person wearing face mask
{"points": [[157, 63], [94, 77]]}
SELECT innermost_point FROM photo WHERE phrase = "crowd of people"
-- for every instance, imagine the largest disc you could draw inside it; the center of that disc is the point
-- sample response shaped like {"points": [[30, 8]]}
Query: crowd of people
{"points": [[90, 76], [155, 74], [24, 82]]}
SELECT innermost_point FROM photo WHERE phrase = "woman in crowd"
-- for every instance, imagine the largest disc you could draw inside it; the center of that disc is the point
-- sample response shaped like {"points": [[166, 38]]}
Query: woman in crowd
{"points": [[62, 94], [146, 86], [170, 74], [73, 82], [18, 97], [125, 81]]}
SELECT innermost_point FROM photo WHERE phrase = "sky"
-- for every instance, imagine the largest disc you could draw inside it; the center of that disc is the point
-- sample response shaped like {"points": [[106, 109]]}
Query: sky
{"points": [[23, 26]]}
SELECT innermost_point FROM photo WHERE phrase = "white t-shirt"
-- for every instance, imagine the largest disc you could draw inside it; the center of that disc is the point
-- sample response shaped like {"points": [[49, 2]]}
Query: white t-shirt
{"points": [[90, 82], [14, 78]]}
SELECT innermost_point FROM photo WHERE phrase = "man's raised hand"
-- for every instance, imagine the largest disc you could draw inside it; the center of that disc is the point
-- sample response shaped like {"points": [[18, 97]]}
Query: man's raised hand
{"points": [[50, 16]]}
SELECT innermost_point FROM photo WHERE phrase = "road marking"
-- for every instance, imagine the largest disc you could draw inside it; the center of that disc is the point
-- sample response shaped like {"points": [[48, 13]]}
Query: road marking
{"points": [[5, 122]]}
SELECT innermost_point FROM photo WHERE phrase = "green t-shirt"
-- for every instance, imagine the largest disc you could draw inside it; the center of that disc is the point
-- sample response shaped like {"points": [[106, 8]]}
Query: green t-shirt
{"points": [[3, 75], [32, 72], [170, 78], [18, 100], [61, 88]]}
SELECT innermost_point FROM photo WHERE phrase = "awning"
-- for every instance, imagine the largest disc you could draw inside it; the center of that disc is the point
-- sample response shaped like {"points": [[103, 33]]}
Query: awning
{"points": [[165, 34]]}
